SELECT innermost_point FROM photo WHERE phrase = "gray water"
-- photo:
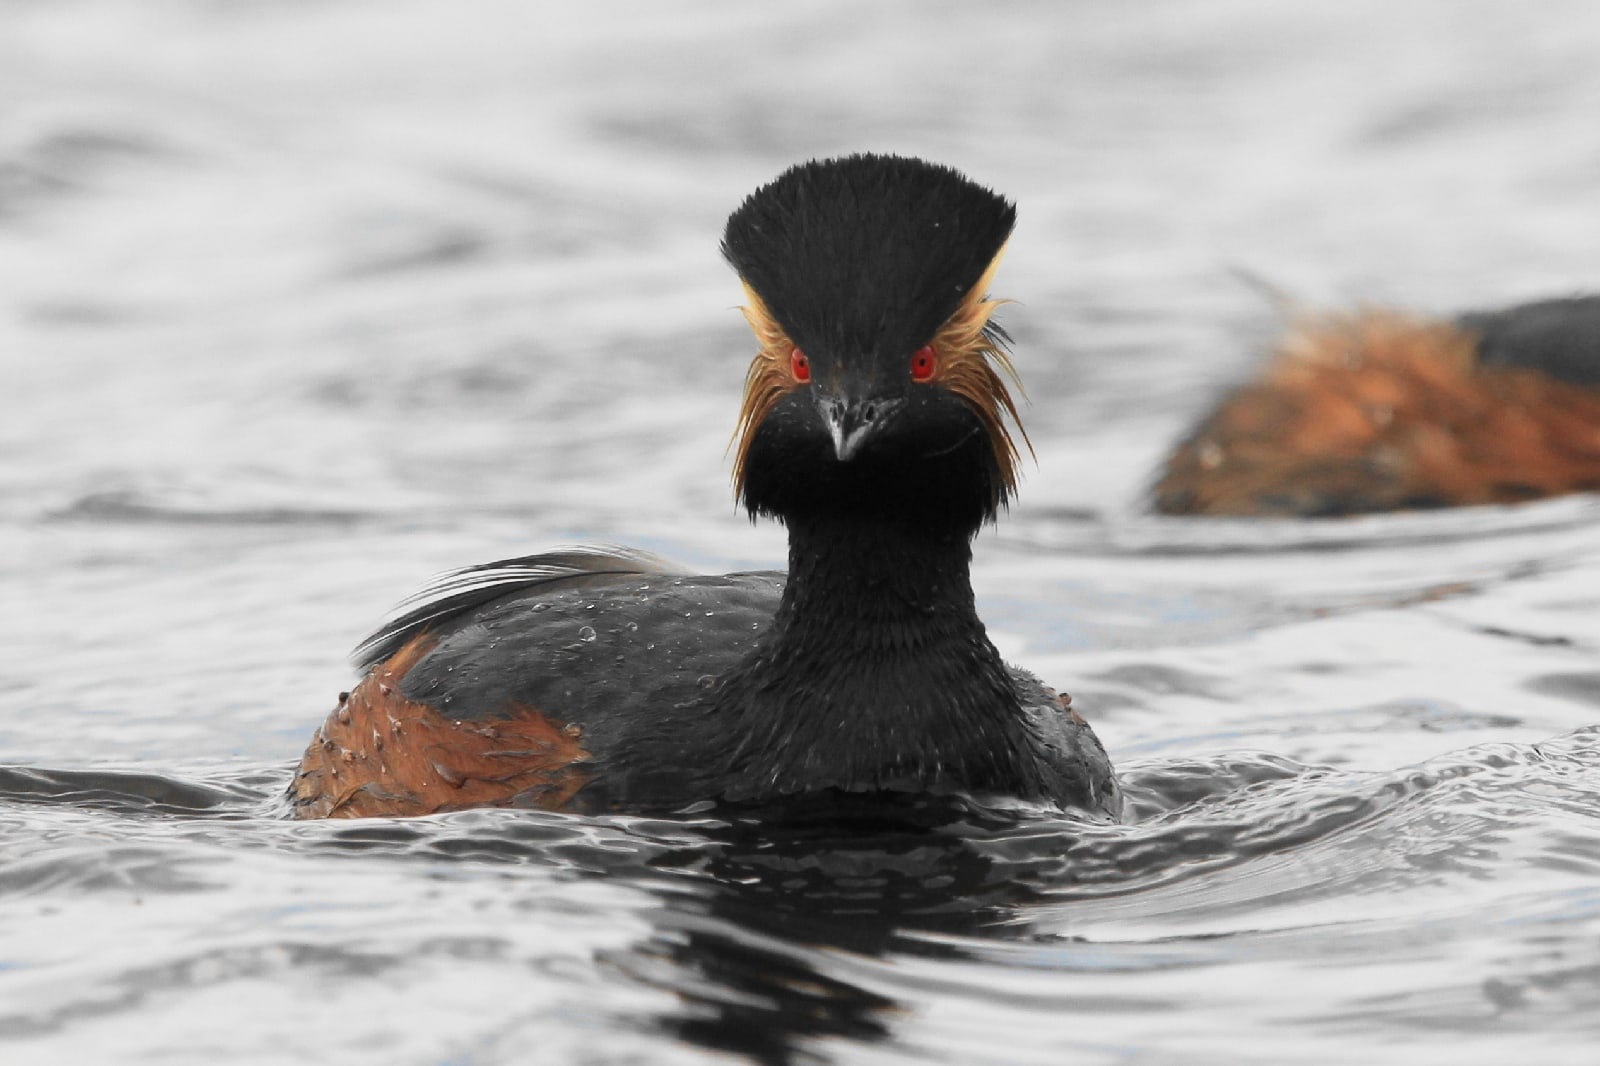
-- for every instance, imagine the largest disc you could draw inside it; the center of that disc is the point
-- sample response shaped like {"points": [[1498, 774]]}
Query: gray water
{"points": [[301, 303]]}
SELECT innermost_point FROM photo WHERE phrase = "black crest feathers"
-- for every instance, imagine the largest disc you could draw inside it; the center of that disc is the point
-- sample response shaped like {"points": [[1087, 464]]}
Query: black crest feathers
{"points": [[866, 250]]}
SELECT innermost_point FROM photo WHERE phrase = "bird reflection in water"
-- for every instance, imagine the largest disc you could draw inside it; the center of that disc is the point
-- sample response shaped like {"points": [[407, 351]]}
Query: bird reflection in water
{"points": [[756, 943]]}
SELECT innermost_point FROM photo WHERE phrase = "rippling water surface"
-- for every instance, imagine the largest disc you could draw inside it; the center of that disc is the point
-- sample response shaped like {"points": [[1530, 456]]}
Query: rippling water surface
{"points": [[301, 303]]}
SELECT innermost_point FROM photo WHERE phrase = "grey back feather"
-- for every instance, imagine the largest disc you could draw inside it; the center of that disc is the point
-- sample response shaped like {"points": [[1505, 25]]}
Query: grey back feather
{"points": [[458, 591]]}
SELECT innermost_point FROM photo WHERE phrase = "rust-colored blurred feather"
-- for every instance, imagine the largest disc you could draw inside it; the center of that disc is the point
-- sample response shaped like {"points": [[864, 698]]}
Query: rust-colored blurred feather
{"points": [[1375, 411]]}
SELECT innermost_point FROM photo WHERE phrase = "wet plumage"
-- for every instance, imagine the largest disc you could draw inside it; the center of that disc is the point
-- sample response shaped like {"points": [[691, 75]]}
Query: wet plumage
{"points": [[878, 427]]}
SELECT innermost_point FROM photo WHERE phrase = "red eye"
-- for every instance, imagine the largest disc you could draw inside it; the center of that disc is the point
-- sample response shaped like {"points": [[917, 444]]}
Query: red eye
{"points": [[924, 364], [800, 366]]}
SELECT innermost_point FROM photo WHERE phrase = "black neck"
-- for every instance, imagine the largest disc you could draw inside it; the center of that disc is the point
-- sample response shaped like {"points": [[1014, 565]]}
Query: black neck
{"points": [[876, 672], [885, 584]]}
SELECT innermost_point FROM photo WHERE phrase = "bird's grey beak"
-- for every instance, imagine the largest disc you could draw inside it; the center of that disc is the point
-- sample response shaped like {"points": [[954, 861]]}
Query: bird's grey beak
{"points": [[852, 423]]}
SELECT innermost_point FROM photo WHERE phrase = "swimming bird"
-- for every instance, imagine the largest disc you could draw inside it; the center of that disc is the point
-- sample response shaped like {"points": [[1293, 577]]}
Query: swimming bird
{"points": [[1383, 411], [879, 427]]}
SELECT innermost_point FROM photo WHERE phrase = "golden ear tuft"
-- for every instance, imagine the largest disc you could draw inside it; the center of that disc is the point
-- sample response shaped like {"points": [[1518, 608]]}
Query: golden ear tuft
{"points": [[765, 382], [974, 365]]}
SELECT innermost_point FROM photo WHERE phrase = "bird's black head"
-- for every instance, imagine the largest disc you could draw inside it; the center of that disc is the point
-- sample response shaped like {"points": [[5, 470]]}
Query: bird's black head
{"points": [[878, 389]]}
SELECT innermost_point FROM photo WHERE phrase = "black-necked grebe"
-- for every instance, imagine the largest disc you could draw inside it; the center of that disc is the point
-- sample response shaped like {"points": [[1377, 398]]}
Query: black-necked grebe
{"points": [[877, 426]]}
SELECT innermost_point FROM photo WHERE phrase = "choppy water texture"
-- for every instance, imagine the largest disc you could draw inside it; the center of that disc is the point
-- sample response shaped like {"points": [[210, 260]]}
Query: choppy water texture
{"points": [[303, 302]]}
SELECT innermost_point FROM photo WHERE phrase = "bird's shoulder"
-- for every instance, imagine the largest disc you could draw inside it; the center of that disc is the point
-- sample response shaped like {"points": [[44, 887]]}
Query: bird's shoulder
{"points": [[1076, 762], [585, 635]]}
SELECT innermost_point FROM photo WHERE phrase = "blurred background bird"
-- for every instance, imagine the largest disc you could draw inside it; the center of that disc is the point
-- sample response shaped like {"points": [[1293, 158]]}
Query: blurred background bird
{"points": [[1383, 411]]}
